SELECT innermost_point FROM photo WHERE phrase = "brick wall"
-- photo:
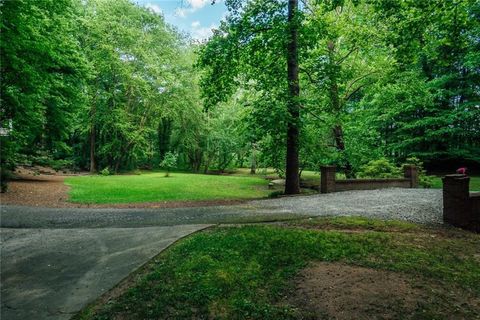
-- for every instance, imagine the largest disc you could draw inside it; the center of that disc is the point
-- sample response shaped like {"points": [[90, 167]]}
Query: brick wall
{"points": [[328, 182], [460, 207]]}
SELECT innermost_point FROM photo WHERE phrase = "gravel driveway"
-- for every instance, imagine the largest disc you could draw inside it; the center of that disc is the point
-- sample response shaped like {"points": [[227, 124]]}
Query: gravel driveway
{"points": [[416, 205]]}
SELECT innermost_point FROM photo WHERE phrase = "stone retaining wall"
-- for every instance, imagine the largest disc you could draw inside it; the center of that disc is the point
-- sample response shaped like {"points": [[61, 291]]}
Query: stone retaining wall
{"points": [[329, 183], [460, 207]]}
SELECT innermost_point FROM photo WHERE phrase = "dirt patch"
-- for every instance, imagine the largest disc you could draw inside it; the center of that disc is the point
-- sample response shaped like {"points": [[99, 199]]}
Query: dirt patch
{"points": [[338, 291], [31, 188], [47, 189]]}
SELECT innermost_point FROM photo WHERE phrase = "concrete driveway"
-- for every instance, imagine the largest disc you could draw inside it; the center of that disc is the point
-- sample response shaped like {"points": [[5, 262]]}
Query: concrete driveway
{"points": [[55, 261], [53, 273]]}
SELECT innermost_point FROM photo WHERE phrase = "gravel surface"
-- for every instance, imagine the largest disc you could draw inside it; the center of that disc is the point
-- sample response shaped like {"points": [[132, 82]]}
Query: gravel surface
{"points": [[416, 205]]}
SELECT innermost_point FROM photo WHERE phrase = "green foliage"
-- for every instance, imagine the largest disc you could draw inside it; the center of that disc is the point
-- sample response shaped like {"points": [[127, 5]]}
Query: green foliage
{"points": [[381, 168], [75, 71], [104, 83], [243, 272], [105, 172], [169, 162], [42, 77]]}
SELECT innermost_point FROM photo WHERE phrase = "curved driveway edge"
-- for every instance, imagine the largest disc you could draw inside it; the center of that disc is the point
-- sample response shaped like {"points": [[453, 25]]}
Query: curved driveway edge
{"points": [[53, 273]]}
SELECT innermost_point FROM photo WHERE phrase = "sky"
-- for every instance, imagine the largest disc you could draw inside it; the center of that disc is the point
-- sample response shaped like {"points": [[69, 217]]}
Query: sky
{"points": [[197, 17]]}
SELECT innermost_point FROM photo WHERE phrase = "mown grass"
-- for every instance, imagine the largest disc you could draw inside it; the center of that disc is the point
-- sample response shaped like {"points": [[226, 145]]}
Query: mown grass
{"points": [[154, 187], [474, 183], [243, 272]]}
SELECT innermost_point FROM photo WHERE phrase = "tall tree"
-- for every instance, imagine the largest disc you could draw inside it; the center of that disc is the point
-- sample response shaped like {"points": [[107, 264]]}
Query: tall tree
{"points": [[347, 54], [259, 43], [42, 73], [292, 183]]}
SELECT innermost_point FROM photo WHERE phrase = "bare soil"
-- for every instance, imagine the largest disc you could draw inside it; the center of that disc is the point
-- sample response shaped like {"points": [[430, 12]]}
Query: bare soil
{"points": [[338, 291], [44, 187]]}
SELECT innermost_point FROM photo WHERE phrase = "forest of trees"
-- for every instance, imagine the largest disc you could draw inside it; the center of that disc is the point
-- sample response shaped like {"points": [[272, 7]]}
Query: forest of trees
{"points": [[95, 84]]}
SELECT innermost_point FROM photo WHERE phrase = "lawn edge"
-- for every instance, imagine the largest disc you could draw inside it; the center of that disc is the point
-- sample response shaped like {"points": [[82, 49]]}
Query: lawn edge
{"points": [[126, 283]]}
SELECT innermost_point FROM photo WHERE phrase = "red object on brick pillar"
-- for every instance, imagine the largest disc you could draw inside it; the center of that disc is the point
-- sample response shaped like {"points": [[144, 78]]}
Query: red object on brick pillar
{"points": [[327, 182]]}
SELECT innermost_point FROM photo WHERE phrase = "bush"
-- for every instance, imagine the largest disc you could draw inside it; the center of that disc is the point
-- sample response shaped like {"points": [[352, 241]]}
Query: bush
{"points": [[423, 180], [47, 161], [105, 172], [169, 161], [381, 168]]}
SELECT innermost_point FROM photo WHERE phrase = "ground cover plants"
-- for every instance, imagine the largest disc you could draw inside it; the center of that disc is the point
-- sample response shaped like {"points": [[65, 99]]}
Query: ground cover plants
{"points": [[256, 271]]}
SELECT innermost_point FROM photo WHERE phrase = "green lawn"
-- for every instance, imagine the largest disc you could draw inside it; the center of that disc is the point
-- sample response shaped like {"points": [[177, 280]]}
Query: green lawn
{"points": [[246, 272], [474, 183], [154, 187]]}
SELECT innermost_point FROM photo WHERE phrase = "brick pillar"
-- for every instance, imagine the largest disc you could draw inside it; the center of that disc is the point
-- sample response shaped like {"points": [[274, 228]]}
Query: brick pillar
{"points": [[475, 213], [456, 204], [327, 182], [410, 172]]}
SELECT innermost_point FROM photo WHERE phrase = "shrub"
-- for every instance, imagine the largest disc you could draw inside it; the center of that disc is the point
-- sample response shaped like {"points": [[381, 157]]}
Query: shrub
{"points": [[381, 168], [169, 161], [423, 179], [105, 172]]}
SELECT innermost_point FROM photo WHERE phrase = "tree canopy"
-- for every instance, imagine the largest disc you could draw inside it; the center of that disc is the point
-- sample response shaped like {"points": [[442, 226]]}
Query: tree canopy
{"points": [[291, 85]]}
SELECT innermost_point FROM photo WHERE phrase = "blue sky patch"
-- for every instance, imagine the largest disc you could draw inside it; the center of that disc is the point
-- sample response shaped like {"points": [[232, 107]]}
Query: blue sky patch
{"points": [[196, 17]]}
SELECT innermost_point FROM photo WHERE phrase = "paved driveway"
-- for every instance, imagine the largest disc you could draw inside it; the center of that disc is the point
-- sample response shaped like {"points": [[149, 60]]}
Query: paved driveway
{"points": [[53, 273], [55, 261]]}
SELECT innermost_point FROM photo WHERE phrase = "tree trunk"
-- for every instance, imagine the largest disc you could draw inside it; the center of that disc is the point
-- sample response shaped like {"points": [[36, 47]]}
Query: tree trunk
{"points": [[336, 106], [164, 132], [340, 143], [292, 183], [93, 165], [207, 165], [253, 164]]}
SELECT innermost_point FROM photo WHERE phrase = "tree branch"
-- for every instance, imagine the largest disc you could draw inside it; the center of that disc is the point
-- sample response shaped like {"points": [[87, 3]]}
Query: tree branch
{"points": [[314, 115], [310, 77], [346, 55], [348, 94]]}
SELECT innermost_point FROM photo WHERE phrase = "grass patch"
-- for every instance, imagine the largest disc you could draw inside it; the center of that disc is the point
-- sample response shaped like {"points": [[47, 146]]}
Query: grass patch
{"points": [[356, 223], [154, 187], [244, 272], [474, 183]]}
